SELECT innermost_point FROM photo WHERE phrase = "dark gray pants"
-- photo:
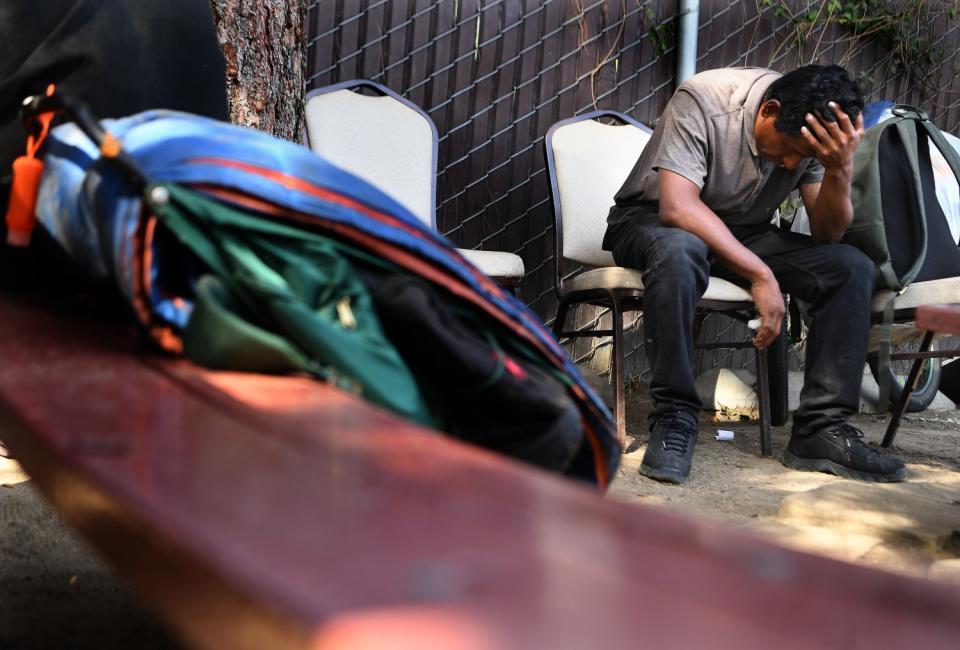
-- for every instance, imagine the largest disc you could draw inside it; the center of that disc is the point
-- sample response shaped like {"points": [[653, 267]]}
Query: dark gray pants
{"points": [[836, 279]]}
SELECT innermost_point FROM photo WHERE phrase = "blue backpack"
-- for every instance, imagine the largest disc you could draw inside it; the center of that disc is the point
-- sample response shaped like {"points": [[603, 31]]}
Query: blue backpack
{"points": [[149, 218]]}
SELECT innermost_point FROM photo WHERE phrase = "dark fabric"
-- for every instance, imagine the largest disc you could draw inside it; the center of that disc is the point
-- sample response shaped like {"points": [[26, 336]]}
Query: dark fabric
{"points": [[835, 278], [675, 274], [482, 392], [898, 198], [119, 56], [943, 254]]}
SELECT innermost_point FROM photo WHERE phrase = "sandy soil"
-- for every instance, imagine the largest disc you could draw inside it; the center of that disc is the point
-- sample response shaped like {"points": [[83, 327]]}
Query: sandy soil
{"points": [[731, 483]]}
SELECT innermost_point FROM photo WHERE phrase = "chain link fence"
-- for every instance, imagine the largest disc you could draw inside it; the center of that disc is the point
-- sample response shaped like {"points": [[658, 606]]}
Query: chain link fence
{"points": [[494, 75]]}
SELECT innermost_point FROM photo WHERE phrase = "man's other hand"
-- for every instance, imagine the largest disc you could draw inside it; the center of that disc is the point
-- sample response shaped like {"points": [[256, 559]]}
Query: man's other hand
{"points": [[766, 295]]}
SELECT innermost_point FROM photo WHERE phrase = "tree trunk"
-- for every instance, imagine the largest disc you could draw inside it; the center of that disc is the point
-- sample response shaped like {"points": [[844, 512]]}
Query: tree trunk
{"points": [[264, 44]]}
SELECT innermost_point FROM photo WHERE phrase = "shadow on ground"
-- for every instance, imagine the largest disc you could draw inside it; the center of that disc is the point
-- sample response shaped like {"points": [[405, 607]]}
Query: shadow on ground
{"points": [[56, 592], [912, 527]]}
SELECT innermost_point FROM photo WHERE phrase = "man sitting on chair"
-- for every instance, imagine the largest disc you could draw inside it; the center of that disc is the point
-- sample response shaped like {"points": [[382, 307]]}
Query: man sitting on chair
{"points": [[729, 148]]}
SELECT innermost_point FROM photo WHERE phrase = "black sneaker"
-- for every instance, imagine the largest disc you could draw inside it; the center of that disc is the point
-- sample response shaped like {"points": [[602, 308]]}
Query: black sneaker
{"points": [[670, 450], [838, 450]]}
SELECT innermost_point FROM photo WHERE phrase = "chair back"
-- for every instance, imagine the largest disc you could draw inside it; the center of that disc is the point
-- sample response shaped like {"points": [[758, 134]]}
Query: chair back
{"points": [[588, 161], [383, 138]]}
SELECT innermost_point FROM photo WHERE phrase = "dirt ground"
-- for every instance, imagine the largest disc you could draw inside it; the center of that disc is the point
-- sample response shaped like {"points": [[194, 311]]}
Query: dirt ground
{"points": [[56, 593], [731, 483]]}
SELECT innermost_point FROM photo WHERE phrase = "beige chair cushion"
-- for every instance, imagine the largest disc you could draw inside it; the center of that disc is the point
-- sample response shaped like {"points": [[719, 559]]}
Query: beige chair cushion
{"points": [[495, 264], [592, 161], [931, 292], [618, 277], [379, 139]]}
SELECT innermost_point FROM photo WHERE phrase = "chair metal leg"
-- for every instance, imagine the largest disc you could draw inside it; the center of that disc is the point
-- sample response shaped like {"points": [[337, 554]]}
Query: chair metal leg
{"points": [[561, 317], [763, 388], [779, 379], [906, 393], [616, 370]]}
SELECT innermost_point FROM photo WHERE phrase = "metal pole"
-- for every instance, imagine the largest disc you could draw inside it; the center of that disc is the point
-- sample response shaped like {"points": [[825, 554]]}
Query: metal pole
{"points": [[687, 39]]}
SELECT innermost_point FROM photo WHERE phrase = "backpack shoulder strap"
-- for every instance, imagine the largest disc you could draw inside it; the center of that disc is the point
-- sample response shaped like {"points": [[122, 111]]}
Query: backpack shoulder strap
{"points": [[889, 276], [907, 121]]}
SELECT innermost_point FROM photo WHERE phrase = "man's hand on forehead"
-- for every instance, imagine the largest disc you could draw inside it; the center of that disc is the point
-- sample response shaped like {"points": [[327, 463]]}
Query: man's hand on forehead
{"points": [[833, 143]]}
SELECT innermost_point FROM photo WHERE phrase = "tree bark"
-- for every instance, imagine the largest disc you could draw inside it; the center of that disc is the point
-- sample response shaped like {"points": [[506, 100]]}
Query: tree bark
{"points": [[264, 44]]}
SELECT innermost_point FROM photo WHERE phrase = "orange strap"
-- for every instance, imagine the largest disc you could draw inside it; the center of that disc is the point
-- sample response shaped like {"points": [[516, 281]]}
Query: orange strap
{"points": [[34, 144], [27, 173]]}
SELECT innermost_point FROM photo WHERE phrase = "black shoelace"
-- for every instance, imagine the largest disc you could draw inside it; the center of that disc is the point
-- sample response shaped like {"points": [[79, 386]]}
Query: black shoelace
{"points": [[853, 434], [676, 441], [677, 435]]}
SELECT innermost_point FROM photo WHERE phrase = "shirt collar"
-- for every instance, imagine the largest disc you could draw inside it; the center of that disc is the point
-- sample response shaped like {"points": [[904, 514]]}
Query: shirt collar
{"points": [[752, 106]]}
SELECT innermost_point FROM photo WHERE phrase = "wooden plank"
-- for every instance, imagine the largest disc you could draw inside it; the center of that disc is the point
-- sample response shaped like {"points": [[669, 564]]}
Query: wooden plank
{"points": [[275, 512]]}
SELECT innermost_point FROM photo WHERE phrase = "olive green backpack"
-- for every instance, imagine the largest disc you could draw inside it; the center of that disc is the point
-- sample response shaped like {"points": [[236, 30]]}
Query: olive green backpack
{"points": [[898, 221]]}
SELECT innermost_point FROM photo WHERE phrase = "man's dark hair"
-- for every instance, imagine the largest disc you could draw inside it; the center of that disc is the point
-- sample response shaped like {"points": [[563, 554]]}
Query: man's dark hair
{"points": [[808, 89]]}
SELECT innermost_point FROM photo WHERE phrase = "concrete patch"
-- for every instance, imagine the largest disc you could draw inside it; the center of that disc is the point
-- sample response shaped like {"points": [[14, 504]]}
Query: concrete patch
{"points": [[728, 392], [731, 392], [869, 394]]}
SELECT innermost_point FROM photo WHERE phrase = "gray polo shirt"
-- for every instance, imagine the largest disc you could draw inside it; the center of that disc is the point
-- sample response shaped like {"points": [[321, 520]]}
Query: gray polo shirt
{"points": [[706, 134]]}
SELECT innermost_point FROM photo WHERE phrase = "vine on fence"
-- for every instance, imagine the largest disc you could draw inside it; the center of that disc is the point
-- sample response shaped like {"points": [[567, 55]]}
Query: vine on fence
{"points": [[661, 34], [900, 27]]}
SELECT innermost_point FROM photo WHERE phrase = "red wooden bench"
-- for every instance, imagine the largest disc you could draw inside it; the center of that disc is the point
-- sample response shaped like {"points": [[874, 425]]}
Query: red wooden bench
{"points": [[262, 512]]}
